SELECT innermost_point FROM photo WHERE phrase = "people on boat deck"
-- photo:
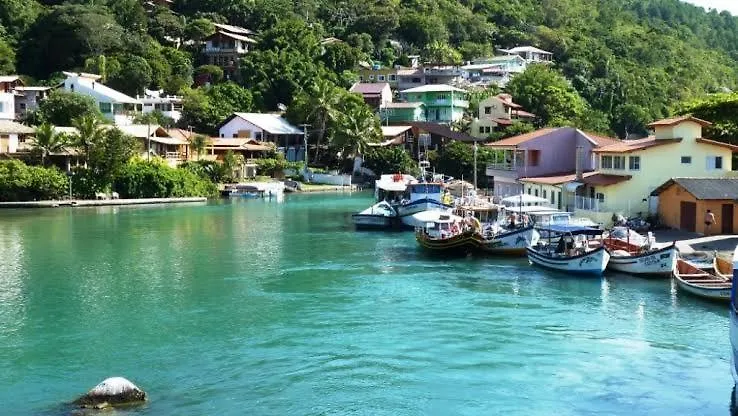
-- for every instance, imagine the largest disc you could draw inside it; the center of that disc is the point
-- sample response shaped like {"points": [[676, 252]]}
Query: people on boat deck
{"points": [[513, 219], [447, 199]]}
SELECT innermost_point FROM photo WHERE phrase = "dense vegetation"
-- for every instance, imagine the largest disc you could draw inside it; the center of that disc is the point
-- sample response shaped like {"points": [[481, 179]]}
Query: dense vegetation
{"points": [[619, 63], [19, 182]]}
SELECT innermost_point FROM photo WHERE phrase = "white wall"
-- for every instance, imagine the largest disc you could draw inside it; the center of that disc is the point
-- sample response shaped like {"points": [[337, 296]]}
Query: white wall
{"points": [[237, 124], [7, 106]]}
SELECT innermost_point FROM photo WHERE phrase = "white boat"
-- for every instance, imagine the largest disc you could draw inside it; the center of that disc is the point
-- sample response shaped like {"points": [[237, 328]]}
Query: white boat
{"points": [[695, 281], [632, 253], [422, 197], [573, 253], [512, 242], [391, 188], [378, 216]]}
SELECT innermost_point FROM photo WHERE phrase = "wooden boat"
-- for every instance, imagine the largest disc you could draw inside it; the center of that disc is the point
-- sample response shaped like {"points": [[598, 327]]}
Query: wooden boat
{"points": [[448, 233], [722, 267], [651, 262], [510, 242], [700, 283], [574, 253]]}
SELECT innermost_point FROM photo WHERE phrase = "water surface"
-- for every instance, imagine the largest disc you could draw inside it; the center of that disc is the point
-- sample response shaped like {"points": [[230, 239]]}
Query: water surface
{"points": [[267, 308]]}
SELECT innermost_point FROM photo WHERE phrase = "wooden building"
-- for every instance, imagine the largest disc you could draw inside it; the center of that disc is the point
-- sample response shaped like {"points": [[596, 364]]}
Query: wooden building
{"points": [[683, 203]]}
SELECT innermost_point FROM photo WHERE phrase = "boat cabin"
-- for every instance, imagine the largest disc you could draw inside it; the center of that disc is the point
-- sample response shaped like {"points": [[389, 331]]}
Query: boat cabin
{"points": [[424, 191], [568, 240], [438, 225], [391, 188]]}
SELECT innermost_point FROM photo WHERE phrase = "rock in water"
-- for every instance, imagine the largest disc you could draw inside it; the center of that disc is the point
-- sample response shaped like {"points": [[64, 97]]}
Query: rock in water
{"points": [[114, 391]]}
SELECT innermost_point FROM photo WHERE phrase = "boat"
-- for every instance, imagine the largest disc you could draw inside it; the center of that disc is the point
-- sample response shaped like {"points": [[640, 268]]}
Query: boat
{"points": [[446, 232], [734, 326], [633, 253], [243, 191], [509, 241], [722, 267], [574, 252], [695, 281], [380, 216], [421, 197]]}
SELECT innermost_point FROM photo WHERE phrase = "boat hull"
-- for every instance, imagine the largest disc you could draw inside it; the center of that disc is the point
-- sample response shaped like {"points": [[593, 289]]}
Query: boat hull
{"points": [[463, 243], [655, 263], [694, 281], [719, 294], [372, 222], [592, 263], [512, 242]]}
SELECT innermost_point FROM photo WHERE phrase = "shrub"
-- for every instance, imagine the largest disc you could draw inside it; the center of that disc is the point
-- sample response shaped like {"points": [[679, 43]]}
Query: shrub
{"points": [[19, 182], [155, 179], [85, 183], [386, 160]]}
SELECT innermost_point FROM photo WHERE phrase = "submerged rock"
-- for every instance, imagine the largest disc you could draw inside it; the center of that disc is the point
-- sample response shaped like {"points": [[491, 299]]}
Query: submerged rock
{"points": [[114, 391]]}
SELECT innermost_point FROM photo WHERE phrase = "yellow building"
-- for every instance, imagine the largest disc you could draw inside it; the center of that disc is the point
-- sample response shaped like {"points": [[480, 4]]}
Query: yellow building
{"points": [[627, 172]]}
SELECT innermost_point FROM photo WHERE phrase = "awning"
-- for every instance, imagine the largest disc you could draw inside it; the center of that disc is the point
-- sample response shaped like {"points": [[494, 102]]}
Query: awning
{"points": [[572, 186]]}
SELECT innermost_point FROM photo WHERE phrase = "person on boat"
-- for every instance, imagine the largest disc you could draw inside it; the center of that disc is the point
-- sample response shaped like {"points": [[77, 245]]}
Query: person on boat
{"points": [[447, 199], [709, 220], [526, 220], [513, 219]]}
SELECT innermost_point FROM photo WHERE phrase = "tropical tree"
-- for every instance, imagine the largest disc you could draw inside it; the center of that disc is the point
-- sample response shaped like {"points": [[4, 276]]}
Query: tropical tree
{"points": [[88, 132], [198, 143], [318, 106], [354, 131], [48, 141]]}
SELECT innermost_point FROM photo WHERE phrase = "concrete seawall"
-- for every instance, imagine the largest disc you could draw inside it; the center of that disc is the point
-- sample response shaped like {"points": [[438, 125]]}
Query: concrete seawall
{"points": [[99, 203]]}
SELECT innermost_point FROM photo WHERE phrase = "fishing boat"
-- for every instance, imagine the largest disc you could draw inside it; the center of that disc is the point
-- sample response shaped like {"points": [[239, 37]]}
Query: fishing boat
{"points": [[722, 267], [633, 253], [695, 281], [575, 252], [421, 197], [498, 240], [449, 233], [242, 191], [380, 216]]}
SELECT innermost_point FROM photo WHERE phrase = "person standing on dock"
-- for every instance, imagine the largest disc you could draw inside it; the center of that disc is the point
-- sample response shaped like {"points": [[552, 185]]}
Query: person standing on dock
{"points": [[709, 220]]}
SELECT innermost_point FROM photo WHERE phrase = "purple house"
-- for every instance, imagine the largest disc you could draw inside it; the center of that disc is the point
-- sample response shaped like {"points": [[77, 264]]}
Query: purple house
{"points": [[544, 152]]}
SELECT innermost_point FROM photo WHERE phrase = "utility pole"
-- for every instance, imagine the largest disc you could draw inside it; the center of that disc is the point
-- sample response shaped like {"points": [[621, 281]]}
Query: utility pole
{"points": [[305, 152], [148, 139], [475, 165]]}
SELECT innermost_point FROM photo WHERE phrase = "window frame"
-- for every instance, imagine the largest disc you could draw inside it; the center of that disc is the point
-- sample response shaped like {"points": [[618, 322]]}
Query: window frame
{"points": [[607, 158], [621, 159], [637, 160], [686, 160]]}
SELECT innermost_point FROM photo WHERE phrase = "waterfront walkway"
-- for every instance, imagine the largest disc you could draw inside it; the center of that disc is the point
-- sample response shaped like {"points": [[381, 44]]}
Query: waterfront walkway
{"points": [[100, 202]]}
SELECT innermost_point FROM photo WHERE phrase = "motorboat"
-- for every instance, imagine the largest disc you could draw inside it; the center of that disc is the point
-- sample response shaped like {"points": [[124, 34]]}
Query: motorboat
{"points": [[380, 216], [633, 253], [421, 197], [391, 188], [576, 252], [701, 283], [242, 191], [499, 240]]}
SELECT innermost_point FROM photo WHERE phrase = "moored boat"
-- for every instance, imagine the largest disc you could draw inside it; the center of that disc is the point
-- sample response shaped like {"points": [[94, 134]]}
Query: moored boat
{"points": [[449, 233], [380, 216], [574, 253], [734, 324], [422, 197], [656, 262], [695, 281], [510, 242], [722, 267]]}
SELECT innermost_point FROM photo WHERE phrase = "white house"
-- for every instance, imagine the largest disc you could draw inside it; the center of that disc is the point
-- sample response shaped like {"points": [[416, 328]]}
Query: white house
{"points": [[28, 98], [13, 136], [113, 104], [169, 105], [266, 127], [8, 83], [531, 54]]}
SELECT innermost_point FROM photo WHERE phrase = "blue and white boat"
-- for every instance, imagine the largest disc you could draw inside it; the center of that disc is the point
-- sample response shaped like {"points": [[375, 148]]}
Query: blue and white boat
{"points": [[573, 252], [421, 197]]}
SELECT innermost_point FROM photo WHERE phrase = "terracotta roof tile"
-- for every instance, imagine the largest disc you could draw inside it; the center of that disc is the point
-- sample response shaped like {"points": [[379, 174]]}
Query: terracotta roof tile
{"points": [[720, 144], [591, 178], [676, 120], [627, 146], [516, 140], [369, 87]]}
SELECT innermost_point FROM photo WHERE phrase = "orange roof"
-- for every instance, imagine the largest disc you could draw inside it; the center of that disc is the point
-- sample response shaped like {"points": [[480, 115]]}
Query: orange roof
{"points": [[600, 141], [720, 144], [676, 120], [627, 146], [590, 178], [516, 140]]}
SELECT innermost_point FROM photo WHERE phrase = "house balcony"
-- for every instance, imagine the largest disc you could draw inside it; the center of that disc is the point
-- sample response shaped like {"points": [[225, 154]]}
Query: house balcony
{"points": [[448, 103], [225, 50]]}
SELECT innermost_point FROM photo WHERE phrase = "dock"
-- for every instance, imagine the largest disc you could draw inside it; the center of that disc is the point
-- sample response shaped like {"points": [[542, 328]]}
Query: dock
{"points": [[99, 203]]}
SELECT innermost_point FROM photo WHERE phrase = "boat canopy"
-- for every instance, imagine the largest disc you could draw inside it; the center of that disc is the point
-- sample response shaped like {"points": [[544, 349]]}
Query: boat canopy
{"points": [[392, 186], [524, 199], [574, 229]]}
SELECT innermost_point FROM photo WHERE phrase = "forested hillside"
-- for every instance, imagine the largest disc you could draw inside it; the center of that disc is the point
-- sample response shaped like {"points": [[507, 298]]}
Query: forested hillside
{"points": [[630, 60]]}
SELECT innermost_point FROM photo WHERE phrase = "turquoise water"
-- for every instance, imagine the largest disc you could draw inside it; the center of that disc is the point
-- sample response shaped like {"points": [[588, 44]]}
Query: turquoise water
{"points": [[269, 308]]}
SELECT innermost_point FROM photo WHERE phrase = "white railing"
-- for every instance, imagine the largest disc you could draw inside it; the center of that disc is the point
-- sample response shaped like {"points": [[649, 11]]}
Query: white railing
{"points": [[500, 166]]}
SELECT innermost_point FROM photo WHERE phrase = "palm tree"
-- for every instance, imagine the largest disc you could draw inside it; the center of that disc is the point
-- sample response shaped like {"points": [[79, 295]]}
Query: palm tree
{"points": [[48, 141], [324, 100], [88, 133], [198, 143], [354, 131]]}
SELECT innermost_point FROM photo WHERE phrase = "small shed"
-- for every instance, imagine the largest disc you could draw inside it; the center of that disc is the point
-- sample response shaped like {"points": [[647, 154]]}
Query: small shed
{"points": [[683, 203]]}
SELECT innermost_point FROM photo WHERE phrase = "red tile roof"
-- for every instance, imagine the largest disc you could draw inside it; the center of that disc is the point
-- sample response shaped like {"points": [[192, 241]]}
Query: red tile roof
{"points": [[369, 87], [676, 120], [720, 144], [600, 141], [590, 178], [525, 114], [516, 140], [502, 121], [627, 146]]}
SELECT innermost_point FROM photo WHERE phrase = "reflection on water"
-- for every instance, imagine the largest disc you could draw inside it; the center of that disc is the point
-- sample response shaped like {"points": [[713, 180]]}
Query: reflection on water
{"points": [[258, 307]]}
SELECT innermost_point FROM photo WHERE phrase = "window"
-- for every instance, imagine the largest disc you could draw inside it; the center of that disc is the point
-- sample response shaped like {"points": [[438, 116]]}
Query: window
{"points": [[634, 163], [416, 81], [487, 110], [606, 162], [529, 189], [544, 194], [22, 106], [21, 139], [380, 77], [2, 107], [481, 130], [106, 107], [393, 77], [536, 193], [714, 162], [235, 135], [553, 197], [534, 157], [257, 135], [488, 129], [601, 197], [686, 160], [618, 162]]}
